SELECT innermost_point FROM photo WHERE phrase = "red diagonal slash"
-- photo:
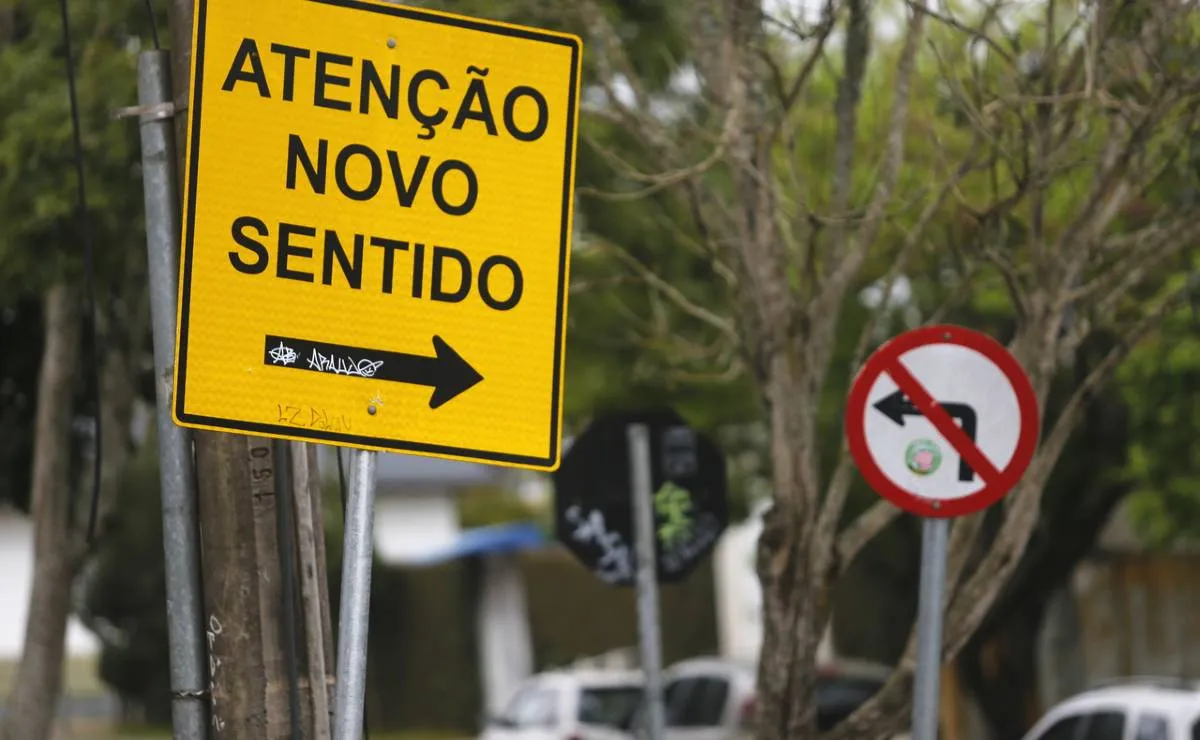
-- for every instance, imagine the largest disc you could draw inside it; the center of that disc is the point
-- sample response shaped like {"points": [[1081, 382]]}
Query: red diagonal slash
{"points": [[941, 421]]}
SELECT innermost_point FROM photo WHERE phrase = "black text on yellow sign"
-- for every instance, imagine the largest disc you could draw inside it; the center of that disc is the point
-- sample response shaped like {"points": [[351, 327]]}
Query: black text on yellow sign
{"points": [[377, 232]]}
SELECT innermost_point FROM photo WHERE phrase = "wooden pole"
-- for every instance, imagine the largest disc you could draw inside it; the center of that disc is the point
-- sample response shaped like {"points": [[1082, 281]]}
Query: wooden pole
{"points": [[240, 483]]}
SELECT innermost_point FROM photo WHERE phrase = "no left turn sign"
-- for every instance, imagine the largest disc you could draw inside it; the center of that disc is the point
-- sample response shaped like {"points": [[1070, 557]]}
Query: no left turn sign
{"points": [[942, 421]]}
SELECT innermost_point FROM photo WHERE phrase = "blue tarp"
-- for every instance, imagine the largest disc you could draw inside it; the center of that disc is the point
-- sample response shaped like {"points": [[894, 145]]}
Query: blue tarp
{"points": [[488, 540]]}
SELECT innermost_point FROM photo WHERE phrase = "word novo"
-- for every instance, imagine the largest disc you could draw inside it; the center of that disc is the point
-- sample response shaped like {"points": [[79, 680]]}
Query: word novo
{"points": [[406, 187]]}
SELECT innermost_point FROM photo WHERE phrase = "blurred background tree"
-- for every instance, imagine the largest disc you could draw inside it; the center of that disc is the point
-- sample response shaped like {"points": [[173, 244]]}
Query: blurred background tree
{"points": [[42, 284]]}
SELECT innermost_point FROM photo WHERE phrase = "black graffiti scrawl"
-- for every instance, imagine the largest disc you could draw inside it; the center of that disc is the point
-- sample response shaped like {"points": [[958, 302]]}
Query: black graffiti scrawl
{"points": [[593, 507], [445, 371]]}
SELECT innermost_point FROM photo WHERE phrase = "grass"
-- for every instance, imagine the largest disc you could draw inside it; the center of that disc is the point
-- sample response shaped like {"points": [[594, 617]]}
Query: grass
{"points": [[81, 677], [8, 675], [161, 734]]}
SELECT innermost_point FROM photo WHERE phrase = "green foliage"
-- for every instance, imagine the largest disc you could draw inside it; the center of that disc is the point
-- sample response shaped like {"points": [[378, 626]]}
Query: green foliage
{"points": [[574, 615], [486, 506], [1161, 384], [41, 240], [125, 597]]}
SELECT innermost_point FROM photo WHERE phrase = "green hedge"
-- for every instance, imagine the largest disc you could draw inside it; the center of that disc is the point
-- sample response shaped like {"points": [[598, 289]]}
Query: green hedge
{"points": [[574, 614], [423, 669]]}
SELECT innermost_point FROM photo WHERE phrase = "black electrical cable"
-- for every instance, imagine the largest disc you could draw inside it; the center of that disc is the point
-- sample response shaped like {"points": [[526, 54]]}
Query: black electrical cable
{"points": [[88, 293], [342, 489], [286, 534], [153, 25]]}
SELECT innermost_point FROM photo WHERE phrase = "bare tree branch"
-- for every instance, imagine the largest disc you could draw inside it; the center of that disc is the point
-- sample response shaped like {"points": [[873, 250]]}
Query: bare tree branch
{"points": [[979, 34], [873, 521], [661, 181], [788, 97], [977, 594], [856, 251], [723, 325], [1144, 251], [856, 49]]}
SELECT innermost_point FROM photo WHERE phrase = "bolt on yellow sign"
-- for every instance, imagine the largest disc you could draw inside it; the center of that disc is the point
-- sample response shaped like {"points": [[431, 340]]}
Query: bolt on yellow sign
{"points": [[377, 228]]}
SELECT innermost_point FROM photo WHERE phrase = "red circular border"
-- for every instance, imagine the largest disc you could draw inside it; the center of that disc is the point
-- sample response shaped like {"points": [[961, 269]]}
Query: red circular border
{"points": [[890, 352]]}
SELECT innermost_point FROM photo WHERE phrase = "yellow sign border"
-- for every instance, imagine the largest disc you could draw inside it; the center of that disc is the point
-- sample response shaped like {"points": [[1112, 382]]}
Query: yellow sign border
{"points": [[182, 418]]}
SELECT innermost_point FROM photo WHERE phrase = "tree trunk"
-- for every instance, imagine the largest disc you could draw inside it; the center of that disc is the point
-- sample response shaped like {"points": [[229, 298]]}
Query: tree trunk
{"points": [[794, 594], [57, 555], [1001, 671], [791, 626]]}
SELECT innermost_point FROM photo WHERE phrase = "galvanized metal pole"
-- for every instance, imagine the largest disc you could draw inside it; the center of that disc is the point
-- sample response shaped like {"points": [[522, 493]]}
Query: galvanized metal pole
{"points": [[647, 576], [927, 682], [357, 553], [181, 538]]}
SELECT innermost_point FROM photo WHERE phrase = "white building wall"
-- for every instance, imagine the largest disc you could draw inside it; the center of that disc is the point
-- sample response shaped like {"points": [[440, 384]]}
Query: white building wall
{"points": [[16, 580], [502, 626], [739, 595], [411, 525]]}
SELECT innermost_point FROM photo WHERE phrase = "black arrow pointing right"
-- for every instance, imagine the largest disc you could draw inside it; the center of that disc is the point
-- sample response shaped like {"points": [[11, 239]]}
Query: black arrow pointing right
{"points": [[896, 406], [446, 371]]}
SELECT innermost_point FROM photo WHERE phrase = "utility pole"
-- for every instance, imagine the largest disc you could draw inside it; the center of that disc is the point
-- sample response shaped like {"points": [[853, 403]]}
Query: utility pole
{"points": [[261, 676]]}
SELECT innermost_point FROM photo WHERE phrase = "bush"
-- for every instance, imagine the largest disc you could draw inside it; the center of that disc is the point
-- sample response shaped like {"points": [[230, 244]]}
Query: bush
{"points": [[125, 591]]}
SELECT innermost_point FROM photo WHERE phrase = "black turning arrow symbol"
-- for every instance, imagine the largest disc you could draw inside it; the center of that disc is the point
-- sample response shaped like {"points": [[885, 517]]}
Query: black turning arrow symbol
{"points": [[446, 371], [897, 406]]}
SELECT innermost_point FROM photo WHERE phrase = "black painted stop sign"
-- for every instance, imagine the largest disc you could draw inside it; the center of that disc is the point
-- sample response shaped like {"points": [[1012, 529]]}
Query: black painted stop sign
{"points": [[593, 496]]}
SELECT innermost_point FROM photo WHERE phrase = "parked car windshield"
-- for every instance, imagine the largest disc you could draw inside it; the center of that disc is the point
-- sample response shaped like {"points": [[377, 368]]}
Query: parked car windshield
{"points": [[609, 706], [837, 698]]}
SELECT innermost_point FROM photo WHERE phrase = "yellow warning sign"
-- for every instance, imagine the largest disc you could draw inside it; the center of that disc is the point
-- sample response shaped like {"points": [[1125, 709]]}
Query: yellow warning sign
{"points": [[377, 228]]}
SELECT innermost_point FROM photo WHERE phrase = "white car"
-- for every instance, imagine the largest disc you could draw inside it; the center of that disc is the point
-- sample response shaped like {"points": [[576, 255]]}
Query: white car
{"points": [[1149, 709], [715, 698], [580, 704]]}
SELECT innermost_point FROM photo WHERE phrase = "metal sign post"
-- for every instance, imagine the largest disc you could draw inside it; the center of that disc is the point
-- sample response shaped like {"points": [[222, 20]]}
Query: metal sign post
{"points": [[357, 554], [647, 580], [942, 421], [181, 533], [927, 680]]}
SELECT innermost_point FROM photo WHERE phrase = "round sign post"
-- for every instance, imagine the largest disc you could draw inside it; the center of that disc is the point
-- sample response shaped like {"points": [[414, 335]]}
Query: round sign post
{"points": [[942, 421]]}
